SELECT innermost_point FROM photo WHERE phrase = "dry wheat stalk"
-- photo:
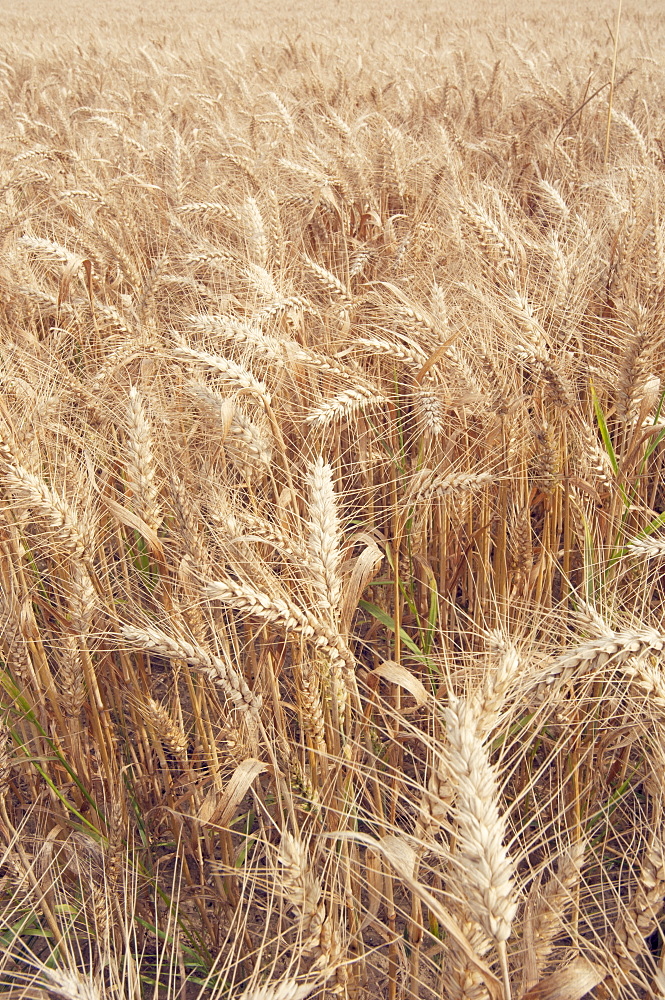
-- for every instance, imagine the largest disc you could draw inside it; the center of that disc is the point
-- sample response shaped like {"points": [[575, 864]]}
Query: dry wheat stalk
{"points": [[16, 653], [235, 333], [255, 229], [327, 280], [436, 801], [313, 719], [50, 252], [556, 204], [262, 282], [639, 336], [212, 209], [254, 529], [430, 410], [493, 240], [411, 356], [248, 443], [190, 535], [533, 344]]}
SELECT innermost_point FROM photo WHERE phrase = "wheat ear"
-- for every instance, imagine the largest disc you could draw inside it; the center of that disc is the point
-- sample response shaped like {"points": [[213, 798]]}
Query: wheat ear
{"points": [[302, 889], [646, 548], [546, 909], [139, 462], [461, 980], [243, 597], [595, 653], [287, 989], [232, 683], [641, 917], [344, 405], [231, 372], [325, 537], [485, 867], [31, 492]]}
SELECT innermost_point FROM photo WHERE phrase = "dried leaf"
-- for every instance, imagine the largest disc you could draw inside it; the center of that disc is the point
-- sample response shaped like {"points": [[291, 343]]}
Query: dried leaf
{"points": [[401, 856], [132, 520], [394, 672], [219, 807], [364, 568], [571, 983]]}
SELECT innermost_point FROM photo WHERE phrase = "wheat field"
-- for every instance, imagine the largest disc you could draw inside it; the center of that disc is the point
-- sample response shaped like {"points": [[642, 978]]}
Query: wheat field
{"points": [[332, 509]]}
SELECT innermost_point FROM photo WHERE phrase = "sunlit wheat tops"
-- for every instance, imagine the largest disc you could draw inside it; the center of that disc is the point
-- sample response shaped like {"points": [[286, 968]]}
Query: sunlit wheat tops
{"points": [[332, 493]]}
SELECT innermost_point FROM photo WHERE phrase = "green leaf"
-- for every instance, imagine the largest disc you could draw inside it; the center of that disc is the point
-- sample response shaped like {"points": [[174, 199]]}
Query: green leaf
{"points": [[389, 622], [604, 432]]}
